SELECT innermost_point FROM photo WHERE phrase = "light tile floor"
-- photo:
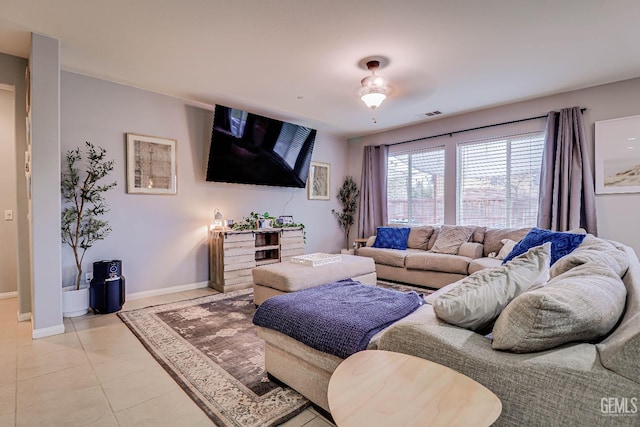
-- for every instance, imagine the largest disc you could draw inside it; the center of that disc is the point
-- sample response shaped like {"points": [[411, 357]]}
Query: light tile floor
{"points": [[97, 373]]}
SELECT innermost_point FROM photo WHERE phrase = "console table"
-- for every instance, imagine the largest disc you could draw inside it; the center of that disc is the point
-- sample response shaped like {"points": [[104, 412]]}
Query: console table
{"points": [[382, 388], [233, 254]]}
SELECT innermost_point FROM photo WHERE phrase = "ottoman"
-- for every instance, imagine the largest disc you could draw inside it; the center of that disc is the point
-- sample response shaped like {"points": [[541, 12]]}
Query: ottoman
{"points": [[277, 279]]}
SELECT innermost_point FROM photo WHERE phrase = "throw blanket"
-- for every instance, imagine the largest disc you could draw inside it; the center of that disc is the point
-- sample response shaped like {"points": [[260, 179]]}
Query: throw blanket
{"points": [[338, 318]]}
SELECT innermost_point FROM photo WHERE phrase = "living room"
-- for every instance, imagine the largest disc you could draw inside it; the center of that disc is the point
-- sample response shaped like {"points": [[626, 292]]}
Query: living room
{"points": [[162, 240]]}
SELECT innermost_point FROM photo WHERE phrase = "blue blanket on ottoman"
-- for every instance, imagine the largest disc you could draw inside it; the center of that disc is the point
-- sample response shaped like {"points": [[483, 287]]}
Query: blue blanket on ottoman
{"points": [[338, 318]]}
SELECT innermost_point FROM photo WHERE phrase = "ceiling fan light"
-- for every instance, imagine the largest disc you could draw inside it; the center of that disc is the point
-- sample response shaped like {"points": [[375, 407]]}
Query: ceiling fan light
{"points": [[373, 99]]}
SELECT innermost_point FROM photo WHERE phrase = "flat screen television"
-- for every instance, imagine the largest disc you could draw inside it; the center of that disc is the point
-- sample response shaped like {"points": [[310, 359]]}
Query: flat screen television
{"points": [[250, 149]]}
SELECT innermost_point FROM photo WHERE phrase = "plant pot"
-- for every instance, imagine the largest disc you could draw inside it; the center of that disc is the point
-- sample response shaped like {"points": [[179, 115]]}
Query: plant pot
{"points": [[75, 302]]}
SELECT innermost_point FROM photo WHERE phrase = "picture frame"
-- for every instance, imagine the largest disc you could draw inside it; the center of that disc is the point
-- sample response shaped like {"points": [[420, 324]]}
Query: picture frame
{"points": [[617, 155], [285, 220], [319, 180], [151, 165]]}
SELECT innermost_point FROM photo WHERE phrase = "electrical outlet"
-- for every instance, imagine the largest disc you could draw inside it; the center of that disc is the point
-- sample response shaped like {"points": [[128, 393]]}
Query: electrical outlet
{"points": [[88, 276], [8, 215]]}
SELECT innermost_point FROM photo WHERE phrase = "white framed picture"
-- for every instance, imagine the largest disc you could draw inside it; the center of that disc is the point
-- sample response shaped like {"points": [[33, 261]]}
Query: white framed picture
{"points": [[319, 181], [617, 155], [151, 165]]}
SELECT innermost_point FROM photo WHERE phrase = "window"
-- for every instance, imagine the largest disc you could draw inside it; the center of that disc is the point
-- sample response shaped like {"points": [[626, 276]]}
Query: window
{"points": [[415, 187], [498, 181]]}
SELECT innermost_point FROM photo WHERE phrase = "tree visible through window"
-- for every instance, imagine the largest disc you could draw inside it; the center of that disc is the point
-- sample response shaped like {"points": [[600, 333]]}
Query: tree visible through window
{"points": [[415, 187], [498, 181]]}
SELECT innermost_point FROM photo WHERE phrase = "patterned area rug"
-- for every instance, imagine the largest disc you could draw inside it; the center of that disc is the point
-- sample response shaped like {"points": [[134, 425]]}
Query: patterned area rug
{"points": [[211, 349]]}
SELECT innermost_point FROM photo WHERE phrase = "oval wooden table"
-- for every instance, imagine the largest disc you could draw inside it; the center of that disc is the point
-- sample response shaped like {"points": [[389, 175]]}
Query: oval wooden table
{"points": [[382, 388]]}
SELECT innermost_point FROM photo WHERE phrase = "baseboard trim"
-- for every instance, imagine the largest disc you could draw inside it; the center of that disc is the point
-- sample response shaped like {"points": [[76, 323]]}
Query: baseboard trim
{"points": [[9, 295], [47, 332], [23, 317], [164, 291]]}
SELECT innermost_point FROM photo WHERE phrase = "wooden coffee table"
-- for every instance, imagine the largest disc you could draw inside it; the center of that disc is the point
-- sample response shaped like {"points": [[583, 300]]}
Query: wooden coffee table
{"points": [[382, 388]]}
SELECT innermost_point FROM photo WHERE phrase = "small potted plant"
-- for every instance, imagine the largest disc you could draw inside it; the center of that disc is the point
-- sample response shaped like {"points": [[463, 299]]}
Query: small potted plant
{"points": [[83, 207], [348, 197]]}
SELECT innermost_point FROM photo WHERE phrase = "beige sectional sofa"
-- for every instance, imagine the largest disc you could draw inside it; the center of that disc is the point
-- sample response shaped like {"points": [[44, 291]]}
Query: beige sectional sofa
{"points": [[594, 382], [420, 266]]}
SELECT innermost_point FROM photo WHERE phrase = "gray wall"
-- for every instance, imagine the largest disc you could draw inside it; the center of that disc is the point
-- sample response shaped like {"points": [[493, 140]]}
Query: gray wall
{"points": [[44, 62], [162, 240], [617, 213], [12, 72], [8, 198]]}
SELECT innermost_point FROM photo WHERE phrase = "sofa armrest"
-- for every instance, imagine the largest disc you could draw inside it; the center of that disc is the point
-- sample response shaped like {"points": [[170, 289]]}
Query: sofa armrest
{"points": [[471, 250]]}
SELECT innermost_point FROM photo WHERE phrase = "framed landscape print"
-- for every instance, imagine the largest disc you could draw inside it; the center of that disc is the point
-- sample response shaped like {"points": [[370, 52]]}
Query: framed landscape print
{"points": [[617, 155], [319, 181], [151, 165]]}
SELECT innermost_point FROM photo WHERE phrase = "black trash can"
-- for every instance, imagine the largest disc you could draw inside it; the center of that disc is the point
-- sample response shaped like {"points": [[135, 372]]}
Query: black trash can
{"points": [[107, 289]]}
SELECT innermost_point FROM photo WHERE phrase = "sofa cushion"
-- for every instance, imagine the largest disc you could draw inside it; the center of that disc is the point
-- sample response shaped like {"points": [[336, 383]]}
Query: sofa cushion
{"points": [[430, 261], [419, 237], [392, 237], [582, 304], [478, 235], [392, 257], [593, 249], [470, 250], [561, 243], [493, 238], [450, 238], [507, 247], [483, 263], [478, 299]]}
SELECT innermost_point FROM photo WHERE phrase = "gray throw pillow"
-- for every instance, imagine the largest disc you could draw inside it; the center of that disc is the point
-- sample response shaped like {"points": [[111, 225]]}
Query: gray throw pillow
{"points": [[419, 237], [478, 299], [582, 304], [450, 238]]}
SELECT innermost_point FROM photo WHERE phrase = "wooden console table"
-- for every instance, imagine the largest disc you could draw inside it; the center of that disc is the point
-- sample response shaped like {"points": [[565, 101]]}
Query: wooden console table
{"points": [[382, 388]]}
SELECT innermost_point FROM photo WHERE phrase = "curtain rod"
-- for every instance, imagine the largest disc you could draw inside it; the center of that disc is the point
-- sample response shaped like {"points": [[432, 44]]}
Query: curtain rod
{"points": [[476, 128]]}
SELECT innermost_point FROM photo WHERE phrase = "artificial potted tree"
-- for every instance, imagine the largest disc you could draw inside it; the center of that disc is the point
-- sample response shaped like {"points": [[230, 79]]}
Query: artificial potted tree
{"points": [[348, 197], [83, 207]]}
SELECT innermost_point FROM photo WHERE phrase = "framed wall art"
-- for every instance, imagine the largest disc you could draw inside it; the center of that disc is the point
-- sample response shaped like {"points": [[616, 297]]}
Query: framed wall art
{"points": [[617, 155], [151, 165], [319, 181]]}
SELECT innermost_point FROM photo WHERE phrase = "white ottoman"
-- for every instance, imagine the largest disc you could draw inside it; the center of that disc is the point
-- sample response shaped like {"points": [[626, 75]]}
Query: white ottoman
{"points": [[277, 279]]}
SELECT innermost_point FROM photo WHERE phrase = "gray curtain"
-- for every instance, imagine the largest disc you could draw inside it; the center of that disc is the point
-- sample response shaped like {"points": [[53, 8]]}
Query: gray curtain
{"points": [[567, 198], [373, 190]]}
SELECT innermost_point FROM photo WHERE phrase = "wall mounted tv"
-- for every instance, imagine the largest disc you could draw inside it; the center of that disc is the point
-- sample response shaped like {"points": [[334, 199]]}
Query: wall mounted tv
{"points": [[251, 149]]}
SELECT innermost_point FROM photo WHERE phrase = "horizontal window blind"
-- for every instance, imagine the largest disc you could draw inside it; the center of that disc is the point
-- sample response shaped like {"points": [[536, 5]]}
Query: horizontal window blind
{"points": [[415, 187], [498, 181]]}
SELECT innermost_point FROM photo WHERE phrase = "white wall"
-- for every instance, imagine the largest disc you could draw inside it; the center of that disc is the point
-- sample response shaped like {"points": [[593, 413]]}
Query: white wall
{"points": [[616, 213], [162, 239], [8, 197]]}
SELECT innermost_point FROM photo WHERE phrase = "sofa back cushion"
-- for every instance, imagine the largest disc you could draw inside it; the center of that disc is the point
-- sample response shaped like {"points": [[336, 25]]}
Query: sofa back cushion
{"points": [[620, 351], [477, 300], [596, 250], [493, 238], [582, 304], [419, 237]]}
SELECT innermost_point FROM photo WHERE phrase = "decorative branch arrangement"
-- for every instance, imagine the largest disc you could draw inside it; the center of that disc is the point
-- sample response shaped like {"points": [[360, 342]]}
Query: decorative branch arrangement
{"points": [[348, 197], [83, 200]]}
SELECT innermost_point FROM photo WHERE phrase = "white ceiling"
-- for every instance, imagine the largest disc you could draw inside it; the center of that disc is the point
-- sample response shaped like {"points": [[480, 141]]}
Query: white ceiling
{"points": [[298, 60]]}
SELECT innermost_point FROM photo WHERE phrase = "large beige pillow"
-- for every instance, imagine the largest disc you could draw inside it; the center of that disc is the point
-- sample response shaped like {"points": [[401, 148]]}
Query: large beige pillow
{"points": [[478, 299], [419, 237], [582, 304], [450, 238], [593, 249]]}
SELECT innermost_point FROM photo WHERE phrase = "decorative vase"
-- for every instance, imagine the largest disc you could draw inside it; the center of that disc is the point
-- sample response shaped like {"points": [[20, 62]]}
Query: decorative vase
{"points": [[75, 302]]}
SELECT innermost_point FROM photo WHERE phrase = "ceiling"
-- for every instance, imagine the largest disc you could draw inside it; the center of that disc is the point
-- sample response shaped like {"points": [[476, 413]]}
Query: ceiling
{"points": [[300, 60]]}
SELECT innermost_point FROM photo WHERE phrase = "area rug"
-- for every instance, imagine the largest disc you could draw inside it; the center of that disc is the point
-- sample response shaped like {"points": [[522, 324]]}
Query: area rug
{"points": [[210, 347]]}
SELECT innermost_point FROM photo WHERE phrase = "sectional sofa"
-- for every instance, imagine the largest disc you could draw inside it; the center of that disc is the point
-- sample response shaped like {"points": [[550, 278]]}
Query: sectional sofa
{"points": [[418, 264], [566, 354]]}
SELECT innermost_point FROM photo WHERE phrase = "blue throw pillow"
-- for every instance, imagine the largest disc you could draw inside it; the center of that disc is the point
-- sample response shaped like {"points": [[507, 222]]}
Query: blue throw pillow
{"points": [[392, 237], [561, 243]]}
